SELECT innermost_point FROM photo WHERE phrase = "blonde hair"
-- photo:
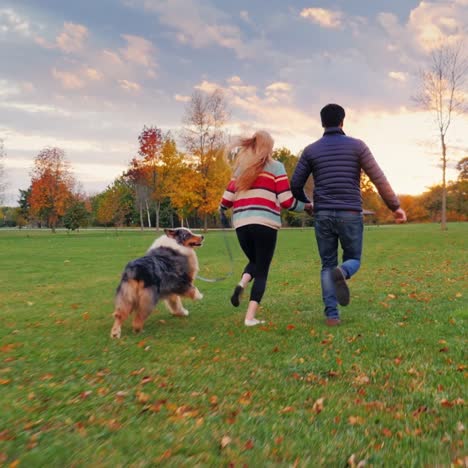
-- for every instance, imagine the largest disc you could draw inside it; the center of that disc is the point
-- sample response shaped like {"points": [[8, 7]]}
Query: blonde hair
{"points": [[255, 152]]}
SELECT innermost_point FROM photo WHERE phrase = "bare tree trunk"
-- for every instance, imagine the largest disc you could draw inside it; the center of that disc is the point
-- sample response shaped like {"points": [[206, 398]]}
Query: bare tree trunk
{"points": [[157, 207], [148, 213], [443, 220], [141, 217], [205, 223]]}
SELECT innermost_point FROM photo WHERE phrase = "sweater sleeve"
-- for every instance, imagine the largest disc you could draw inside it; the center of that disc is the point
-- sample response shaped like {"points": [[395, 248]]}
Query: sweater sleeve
{"points": [[228, 197], [376, 175], [283, 192], [299, 178]]}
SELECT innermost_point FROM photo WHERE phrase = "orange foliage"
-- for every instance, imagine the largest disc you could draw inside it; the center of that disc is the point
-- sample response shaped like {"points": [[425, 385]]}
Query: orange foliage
{"points": [[51, 186]]}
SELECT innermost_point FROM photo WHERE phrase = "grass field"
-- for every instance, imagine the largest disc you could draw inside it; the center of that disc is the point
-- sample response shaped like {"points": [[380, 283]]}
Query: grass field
{"points": [[386, 387]]}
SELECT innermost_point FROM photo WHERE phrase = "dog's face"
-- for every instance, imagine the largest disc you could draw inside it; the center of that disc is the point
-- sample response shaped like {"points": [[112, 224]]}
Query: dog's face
{"points": [[185, 237]]}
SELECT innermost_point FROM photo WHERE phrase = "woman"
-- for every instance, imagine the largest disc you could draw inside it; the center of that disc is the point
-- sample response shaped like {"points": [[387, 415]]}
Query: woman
{"points": [[257, 192]]}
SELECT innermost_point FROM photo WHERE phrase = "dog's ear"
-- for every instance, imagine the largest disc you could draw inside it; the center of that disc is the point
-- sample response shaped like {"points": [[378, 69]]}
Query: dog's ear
{"points": [[169, 232]]}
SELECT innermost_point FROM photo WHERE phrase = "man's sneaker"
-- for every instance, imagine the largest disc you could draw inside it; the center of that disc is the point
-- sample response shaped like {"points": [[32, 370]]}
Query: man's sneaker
{"points": [[235, 298], [341, 288], [333, 322]]}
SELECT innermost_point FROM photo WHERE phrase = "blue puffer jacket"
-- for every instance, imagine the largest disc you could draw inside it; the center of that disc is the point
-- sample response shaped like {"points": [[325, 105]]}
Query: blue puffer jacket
{"points": [[335, 162]]}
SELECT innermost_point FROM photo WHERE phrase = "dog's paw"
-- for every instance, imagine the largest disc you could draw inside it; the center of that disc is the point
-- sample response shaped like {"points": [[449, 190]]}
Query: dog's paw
{"points": [[181, 313], [198, 295], [115, 332]]}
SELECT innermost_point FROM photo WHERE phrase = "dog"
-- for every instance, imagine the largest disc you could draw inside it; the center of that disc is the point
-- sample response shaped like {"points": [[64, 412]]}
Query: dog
{"points": [[166, 272]]}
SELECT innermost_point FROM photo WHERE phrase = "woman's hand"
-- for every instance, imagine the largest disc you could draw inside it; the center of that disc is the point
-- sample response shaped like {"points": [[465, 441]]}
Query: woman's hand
{"points": [[309, 208]]}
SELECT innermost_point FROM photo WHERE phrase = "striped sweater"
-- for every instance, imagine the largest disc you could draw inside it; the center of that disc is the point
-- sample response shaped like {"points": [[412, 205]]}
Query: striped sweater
{"points": [[262, 203]]}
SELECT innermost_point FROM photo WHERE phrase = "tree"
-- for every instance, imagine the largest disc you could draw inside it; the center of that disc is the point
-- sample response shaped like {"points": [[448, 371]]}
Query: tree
{"points": [[115, 204], [462, 167], [186, 196], [76, 215], [51, 186], [204, 138], [137, 178], [3, 183], [24, 205], [441, 92], [289, 160], [151, 142]]}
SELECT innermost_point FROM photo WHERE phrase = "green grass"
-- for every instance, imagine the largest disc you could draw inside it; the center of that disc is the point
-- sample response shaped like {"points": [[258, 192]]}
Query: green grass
{"points": [[205, 390]]}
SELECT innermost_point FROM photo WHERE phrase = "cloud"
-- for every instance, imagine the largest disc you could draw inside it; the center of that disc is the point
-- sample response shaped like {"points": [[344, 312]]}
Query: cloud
{"points": [[199, 24], [427, 25], [244, 15], [93, 74], [207, 86], [67, 79], [72, 38], [181, 98], [141, 52], [234, 80], [265, 110], [12, 22], [326, 18], [398, 76], [8, 89], [129, 85]]}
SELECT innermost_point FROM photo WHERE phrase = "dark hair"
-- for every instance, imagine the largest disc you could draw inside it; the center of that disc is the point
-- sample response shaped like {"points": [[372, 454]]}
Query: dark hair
{"points": [[332, 115]]}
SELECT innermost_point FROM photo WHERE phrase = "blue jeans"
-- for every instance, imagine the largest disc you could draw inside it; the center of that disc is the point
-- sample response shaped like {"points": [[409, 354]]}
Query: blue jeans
{"points": [[332, 226]]}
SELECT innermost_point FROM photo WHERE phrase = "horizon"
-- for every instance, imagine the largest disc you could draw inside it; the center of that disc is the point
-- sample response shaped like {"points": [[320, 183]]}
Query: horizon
{"points": [[87, 78]]}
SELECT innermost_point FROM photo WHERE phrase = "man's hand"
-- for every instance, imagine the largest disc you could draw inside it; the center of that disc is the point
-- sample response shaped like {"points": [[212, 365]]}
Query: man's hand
{"points": [[400, 216], [309, 208]]}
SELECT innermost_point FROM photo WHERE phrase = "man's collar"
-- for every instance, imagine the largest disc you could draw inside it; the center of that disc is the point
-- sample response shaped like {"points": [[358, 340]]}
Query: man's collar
{"points": [[334, 131]]}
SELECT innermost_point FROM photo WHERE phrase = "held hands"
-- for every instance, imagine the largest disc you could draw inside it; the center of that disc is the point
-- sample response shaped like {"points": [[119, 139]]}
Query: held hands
{"points": [[309, 208], [400, 216]]}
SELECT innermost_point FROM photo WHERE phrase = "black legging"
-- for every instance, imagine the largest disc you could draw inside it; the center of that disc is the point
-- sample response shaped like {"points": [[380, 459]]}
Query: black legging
{"points": [[258, 242]]}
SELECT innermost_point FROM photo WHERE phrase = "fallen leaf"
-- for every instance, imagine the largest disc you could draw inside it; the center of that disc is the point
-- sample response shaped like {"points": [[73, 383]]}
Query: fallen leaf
{"points": [[225, 441], [287, 409], [317, 407], [355, 420], [361, 379], [249, 445], [142, 398]]}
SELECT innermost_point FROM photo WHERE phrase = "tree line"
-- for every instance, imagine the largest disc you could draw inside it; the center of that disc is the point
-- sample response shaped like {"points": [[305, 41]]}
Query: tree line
{"points": [[165, 185]]}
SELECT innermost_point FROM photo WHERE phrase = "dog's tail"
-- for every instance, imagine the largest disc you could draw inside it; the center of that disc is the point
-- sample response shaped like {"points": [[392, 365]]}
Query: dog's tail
{"points": [[127, 295]]}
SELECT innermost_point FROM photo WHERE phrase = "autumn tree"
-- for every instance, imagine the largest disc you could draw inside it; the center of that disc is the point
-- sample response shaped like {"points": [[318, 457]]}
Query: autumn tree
{"points": [[289, 160], [115, 204], [442, 93], [150, 145], [137, 178], [204, 139], [186, 196], [51, 186]]}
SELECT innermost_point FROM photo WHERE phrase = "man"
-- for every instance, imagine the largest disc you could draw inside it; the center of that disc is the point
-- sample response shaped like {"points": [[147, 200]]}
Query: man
{"points": [[335, 162]]}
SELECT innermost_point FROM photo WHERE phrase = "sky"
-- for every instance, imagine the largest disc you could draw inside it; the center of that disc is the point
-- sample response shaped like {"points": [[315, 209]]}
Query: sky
{"points": [[87, 76]]}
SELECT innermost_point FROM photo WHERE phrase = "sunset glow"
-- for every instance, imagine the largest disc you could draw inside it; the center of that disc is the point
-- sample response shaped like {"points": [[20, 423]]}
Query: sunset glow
{"points": [[87, 78]]}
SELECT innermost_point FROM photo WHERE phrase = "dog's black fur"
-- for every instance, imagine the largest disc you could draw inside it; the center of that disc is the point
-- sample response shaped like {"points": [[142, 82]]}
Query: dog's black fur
{"points": [[167, 272], [163, 270]]}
